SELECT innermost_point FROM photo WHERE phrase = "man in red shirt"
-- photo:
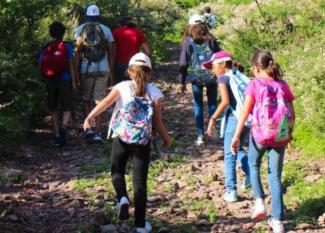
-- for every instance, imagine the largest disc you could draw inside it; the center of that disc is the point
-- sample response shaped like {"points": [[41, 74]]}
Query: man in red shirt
{"points": [[129, 39]]}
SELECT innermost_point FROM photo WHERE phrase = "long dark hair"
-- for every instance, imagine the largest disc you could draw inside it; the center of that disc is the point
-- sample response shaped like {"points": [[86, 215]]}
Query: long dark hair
{"points": [[141, 78], [263, 59], [198, 32]]}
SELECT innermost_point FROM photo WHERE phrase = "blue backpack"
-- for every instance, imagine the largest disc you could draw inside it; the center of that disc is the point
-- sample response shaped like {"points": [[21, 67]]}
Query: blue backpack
{"points": [[200, 54], [238, 84], [133, 123]]}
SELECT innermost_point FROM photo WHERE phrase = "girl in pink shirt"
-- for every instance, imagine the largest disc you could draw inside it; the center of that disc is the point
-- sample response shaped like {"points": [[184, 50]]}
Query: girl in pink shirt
{"points": [[277, 94]]}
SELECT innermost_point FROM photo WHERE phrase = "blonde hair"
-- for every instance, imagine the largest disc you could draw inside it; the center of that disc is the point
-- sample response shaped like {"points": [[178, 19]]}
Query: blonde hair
{"points": [[141, 76]]}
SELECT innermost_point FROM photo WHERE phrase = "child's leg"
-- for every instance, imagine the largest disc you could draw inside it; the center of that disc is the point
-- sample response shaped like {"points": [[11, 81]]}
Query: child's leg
{"points": [[230, 159], [242, 157], [255, 155], [212, 98], [275, 170], [141, 159], [198, 107], [119, 158]]}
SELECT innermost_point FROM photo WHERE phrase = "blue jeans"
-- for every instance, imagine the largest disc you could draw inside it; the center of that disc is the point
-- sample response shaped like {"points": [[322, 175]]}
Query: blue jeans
{"points": [[120, 73], [198, 103], [230, 159], [275, 163]]}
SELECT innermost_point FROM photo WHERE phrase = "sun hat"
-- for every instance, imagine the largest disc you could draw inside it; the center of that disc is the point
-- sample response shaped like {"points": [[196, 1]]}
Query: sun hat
{"points": [[92, 10], [195, 19], [216, 58], [140, 59]]}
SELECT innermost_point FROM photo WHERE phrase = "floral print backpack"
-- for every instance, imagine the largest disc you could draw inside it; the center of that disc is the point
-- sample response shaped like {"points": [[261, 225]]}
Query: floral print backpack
{"points": [[133, 122]]}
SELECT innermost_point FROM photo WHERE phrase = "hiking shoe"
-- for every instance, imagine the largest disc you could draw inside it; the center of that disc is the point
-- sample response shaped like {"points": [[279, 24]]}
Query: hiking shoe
{"points": [[123, 209], [55, 141], [259, 210], [145, 229], [98, 138], [276, 225], [230, 196], [246, 185], [89, 133], [200, 140], [63, 135]]}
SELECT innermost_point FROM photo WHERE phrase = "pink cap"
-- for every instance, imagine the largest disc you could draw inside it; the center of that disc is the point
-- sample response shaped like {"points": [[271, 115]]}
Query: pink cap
{"points": [[218, 57]]}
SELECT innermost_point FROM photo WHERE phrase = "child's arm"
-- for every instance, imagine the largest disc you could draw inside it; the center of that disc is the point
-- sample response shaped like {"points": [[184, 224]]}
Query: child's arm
{"points": [[104, 104], [247, 109], [159, 124], [221, 107]]}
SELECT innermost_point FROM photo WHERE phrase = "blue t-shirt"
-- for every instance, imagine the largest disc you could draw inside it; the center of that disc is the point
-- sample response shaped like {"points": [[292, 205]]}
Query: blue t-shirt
{"points": [[67, 74], [224, 79]]}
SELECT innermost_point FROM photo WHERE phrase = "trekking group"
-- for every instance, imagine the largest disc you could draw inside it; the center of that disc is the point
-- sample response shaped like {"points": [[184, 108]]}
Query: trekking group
{"points": [[255, 111]]}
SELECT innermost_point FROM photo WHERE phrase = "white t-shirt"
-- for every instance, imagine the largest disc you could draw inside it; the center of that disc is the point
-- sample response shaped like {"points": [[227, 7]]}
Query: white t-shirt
{"points": [[102, 65], [126, 90]]}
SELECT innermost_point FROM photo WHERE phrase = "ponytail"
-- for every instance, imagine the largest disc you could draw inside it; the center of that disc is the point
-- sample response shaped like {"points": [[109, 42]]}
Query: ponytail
{"points": [[141, 75], [275, 71]]}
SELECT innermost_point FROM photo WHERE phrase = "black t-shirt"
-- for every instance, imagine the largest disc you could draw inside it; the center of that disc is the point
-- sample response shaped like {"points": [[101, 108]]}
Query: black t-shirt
{"points": [[225, 80]]}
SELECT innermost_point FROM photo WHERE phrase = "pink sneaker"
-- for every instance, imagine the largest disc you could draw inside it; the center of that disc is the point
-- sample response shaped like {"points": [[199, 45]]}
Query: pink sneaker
{"points": [[259, 210]]}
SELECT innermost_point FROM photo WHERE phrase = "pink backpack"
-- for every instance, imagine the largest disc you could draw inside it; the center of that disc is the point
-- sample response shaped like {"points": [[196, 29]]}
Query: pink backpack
{"points": [[272, 116]]}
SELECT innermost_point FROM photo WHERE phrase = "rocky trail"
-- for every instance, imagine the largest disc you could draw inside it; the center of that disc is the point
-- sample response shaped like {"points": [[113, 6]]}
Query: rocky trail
{"points": [[54, 190]]}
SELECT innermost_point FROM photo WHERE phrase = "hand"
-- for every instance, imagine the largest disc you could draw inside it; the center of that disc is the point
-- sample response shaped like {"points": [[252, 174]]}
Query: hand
{"points": [[88, 123], [235, 143], [184, 89], [210, 127], [166, 143]]}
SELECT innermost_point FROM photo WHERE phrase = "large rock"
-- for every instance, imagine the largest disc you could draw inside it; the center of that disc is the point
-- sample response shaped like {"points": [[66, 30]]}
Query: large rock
{"points": [[110, 228]]}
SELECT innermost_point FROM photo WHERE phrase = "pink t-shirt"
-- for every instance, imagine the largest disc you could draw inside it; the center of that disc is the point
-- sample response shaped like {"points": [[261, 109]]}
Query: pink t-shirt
{"points": [[253, 90]]}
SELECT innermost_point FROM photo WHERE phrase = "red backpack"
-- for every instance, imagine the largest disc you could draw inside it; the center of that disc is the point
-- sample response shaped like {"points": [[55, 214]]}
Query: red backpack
{"points": [[54, 61]]}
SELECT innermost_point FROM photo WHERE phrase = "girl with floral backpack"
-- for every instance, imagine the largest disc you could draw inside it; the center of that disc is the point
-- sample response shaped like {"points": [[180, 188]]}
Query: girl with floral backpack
{"points": [[137, 108], [269, 101]]}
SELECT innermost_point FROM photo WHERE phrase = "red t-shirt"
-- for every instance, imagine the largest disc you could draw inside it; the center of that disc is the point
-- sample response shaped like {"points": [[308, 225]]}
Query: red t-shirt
{"points": [[128, 42]]}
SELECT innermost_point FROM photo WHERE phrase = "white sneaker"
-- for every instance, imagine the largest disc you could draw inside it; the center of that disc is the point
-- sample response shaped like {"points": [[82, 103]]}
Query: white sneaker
{"points": [[123, 209], [147, 228], [276, 225], [259, 210], [200, 140]]}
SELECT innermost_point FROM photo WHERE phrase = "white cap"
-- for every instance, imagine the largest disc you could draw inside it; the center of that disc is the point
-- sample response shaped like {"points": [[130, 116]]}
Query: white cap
{"points": [[92, 10], [195, 19], [140, 59]]}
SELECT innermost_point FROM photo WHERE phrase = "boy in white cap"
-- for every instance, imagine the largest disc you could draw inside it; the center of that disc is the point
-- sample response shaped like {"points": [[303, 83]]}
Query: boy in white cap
{"points": [[95, 55]]}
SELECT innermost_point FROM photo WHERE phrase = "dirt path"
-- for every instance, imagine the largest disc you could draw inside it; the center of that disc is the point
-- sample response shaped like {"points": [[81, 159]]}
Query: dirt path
{"points": [[69, 190]]}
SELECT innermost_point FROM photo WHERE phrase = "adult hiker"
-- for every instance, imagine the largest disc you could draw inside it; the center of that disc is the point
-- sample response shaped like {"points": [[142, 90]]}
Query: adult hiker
{"points": [[95, 55], [198, 48], [129, 40], [221, 65], [269, 101], [137, 108], [56, 64]]}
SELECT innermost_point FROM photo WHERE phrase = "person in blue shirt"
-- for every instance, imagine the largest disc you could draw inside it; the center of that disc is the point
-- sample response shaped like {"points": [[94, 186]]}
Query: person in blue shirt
{"points": [[59, 88]]}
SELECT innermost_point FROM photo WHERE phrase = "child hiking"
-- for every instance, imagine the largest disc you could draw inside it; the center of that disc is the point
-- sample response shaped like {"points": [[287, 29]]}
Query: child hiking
{"points": [[269, 101], [198, 48], [137, 103], [221, 65], [95, 56], [56, 64]]}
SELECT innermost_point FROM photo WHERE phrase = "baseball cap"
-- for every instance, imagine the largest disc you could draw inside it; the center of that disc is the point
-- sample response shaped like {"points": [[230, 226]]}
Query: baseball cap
{"points": [[92, 10], [140, 59], [216, 58], [195, 19]]}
